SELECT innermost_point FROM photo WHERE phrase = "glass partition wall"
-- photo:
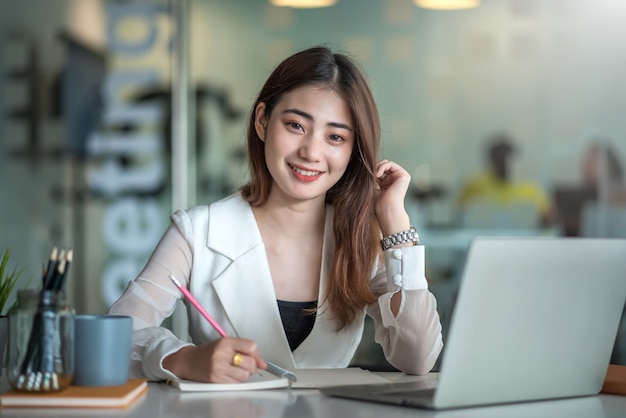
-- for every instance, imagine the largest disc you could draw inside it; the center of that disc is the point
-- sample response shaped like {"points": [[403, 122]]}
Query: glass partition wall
{"points": [[115, 113]]}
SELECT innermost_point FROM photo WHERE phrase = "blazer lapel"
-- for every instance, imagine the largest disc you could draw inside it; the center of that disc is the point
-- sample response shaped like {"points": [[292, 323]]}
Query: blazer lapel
{"points": [[314, 352], [245, 287], [316, 344]]}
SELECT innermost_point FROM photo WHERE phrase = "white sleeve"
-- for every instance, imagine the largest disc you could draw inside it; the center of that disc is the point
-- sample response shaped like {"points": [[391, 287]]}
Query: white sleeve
{"points": [[412, 339], [406, 268], [151, 298]]}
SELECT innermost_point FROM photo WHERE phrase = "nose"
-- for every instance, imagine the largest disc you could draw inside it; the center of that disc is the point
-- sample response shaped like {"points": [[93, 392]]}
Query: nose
{"points": [[311, 147]]}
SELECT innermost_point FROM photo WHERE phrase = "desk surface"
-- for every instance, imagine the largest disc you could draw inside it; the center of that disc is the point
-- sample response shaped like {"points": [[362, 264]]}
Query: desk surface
{"points": [[163, 401]]}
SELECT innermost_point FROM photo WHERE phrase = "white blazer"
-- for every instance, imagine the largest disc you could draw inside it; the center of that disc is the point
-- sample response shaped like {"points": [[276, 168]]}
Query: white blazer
{"points": [[230, 277]]}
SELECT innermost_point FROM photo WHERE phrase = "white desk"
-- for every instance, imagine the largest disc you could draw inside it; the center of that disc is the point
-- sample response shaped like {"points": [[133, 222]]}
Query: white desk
{"points": [[162, 401]]}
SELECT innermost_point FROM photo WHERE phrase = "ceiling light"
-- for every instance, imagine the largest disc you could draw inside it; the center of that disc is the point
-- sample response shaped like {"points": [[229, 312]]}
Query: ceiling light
{"points": [[446, 4], [303, 4]]}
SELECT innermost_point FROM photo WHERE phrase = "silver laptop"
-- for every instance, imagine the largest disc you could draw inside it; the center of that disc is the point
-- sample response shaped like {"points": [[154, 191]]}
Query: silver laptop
{"points": [[535, 318]]}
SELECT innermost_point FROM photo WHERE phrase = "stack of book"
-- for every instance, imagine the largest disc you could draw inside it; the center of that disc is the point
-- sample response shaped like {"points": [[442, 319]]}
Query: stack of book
{"points": [[78, 397]]}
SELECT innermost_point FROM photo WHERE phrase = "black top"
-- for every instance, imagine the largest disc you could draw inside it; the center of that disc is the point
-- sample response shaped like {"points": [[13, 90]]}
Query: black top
{"points": [[297, 320]]}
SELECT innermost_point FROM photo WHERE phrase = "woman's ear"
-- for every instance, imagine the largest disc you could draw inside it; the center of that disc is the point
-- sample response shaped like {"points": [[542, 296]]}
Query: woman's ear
{"points": [[260, 120]]}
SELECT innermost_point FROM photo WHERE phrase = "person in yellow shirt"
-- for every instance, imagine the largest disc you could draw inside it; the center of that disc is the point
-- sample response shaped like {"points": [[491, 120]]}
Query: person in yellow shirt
{"points": [[496, 186]]}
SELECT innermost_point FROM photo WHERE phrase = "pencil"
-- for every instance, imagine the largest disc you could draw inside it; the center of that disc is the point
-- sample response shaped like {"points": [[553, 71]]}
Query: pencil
{"points": [[271, 367], [60, 283], [199, 307], [52, 265]]}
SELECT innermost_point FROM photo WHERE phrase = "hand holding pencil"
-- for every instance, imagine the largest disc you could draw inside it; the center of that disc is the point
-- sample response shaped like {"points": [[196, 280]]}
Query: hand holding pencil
{"points": [[239, 353], [213, 362]]}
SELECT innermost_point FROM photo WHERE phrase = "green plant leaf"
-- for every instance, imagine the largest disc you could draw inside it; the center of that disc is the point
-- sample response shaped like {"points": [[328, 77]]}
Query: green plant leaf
{"points": [[7, 280]]}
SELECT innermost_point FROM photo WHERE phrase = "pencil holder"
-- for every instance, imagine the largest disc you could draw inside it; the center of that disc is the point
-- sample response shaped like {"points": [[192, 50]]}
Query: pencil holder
{"points": [[40, 356]]}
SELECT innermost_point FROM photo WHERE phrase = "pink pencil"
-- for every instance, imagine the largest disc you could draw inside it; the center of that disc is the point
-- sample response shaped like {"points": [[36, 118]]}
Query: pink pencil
{"points": [[271, 367], [199, 307]]}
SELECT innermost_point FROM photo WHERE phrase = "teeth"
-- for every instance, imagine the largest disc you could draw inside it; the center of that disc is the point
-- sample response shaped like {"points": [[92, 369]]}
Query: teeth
{"points": [[305, 172]]}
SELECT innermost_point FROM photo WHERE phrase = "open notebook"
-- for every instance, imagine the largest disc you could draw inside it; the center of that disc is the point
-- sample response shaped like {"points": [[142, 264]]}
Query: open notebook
{"points": [[258, 381], [307, 379], [535, 318]]}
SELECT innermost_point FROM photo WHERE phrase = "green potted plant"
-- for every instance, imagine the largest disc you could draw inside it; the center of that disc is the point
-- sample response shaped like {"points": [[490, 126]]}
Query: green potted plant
{"points": [[8, 280]]}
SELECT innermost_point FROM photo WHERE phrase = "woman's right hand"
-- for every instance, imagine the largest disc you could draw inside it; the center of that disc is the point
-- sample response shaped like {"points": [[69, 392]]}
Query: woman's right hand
{"points": [[213, 362]]}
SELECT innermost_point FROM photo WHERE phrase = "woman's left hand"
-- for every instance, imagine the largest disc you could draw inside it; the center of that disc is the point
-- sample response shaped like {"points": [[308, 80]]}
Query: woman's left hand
{"points": [[393, 183]]}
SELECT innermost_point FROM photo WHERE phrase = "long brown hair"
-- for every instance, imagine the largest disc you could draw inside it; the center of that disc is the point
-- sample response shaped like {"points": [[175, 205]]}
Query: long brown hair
{"points": [[355, 227]]}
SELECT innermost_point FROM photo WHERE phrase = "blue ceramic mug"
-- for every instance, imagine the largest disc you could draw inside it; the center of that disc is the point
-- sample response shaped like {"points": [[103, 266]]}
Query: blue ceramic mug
{"points": [[102, 346]]}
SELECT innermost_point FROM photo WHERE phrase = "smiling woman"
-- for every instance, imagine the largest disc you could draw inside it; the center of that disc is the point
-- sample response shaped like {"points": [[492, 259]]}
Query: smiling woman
{"points": [[291, 263], [308, 141], [442, 82]]}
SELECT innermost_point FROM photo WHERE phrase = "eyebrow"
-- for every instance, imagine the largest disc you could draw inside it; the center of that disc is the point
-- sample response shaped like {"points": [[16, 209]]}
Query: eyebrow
{"points": [[308, 116]]}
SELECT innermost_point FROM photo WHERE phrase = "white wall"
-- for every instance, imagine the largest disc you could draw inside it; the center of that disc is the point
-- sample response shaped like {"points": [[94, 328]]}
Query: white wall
{"points": [[550, 72]]}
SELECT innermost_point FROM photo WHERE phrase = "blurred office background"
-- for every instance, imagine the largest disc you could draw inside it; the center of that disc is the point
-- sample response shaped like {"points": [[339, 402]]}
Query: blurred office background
{"points": [[99, 142]]}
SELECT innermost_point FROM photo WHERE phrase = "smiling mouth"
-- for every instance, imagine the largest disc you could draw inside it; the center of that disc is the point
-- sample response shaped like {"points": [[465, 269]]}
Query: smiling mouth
{"points": [[304, 172]]}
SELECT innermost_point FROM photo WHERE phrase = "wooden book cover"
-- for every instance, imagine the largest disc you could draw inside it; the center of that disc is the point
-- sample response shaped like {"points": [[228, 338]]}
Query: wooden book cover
{"points": [[78, 397], [615, 381]]}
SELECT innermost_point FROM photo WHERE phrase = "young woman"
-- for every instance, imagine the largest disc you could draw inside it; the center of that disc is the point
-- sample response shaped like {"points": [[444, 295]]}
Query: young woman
{"points": [[290, 264]]}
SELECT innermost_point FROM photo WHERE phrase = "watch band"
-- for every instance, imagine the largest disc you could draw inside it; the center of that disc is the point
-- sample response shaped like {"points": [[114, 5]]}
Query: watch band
{"points": [[410, 235]]}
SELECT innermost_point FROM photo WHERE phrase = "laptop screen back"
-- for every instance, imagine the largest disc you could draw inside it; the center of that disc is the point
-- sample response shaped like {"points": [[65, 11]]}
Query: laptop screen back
{"points": [[535, 318]]}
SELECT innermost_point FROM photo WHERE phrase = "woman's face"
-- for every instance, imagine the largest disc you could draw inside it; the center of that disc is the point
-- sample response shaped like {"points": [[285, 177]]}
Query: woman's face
{"points": [[308, 142]]}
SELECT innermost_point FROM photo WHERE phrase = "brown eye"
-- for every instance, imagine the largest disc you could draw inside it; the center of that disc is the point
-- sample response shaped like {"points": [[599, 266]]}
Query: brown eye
{"points": [[295, 125]]}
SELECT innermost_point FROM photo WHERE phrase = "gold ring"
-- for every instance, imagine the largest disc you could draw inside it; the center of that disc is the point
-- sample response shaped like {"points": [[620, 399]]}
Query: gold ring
{"points": [[237, 359]]}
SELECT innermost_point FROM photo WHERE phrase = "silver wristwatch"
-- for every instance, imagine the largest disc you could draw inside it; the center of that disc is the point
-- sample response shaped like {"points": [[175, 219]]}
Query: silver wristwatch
{"points": [[410, 235]]}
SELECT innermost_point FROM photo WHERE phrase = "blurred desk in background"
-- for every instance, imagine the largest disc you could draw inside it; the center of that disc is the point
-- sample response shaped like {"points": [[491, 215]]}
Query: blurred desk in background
{"points": [[459, 239]]}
